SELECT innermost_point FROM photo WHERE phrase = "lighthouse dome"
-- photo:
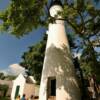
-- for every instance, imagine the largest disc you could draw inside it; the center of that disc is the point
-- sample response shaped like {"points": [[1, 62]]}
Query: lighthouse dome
{"points": [[55, 8]]}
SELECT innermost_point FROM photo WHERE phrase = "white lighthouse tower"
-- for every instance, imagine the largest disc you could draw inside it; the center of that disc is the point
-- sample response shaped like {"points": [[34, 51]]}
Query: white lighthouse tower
{"points": [[58, 80]]}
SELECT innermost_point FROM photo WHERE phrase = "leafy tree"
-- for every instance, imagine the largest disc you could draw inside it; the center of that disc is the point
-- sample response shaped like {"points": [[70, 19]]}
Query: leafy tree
{"points": [[2, 76], [10, 77], [7, 77], [90, 61], [32, 60], [22, 16], [4, 89], [90, 56]]}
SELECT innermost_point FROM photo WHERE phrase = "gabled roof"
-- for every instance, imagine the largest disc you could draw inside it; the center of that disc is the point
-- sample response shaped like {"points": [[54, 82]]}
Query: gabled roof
{"points": [[28, 79]]}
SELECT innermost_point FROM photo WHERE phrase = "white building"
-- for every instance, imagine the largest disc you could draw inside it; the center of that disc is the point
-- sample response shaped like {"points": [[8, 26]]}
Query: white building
{"points": [[23, 85], [58, 80]]}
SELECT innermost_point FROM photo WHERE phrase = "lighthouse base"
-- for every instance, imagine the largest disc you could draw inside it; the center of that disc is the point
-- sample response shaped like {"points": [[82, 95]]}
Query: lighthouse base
{"points": [[58, 77]]}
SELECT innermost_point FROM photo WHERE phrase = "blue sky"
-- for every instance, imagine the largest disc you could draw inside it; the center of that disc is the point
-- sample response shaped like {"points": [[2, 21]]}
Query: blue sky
{"points": [[3, 4], [12, 48]]}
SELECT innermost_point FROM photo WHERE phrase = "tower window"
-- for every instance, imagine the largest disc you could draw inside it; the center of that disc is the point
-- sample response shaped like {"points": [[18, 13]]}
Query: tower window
{"points": [[53, 87]]}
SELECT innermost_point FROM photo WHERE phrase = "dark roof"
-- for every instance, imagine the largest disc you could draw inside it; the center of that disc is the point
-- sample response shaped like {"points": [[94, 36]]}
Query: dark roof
{"points": [[28, 80], [55, 2]]}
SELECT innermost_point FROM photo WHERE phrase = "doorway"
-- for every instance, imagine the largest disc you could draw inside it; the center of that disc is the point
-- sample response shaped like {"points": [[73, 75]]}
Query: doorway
{"points": [[17, 91], [51, 89]]}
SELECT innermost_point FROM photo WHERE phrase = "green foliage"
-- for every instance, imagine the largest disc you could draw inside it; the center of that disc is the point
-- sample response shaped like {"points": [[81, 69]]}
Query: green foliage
{"points": [[4, 98], [22, 16], [83, 18], [4, 89], [10, 77], [89, 62], [2, 76], [33, 59], [7, 77]]}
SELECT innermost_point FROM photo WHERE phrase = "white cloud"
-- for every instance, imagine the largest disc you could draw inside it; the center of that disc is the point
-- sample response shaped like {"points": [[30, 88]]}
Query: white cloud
{"points": [[15, 69], [4, 71]]}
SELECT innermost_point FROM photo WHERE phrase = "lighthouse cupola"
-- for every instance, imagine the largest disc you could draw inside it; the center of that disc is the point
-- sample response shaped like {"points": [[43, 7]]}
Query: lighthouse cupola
{"points": [[55, 8]]}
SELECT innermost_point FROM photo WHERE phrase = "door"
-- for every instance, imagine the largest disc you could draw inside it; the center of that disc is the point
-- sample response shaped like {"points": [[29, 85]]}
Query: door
{"points": [[51, 89], [17, 91]]}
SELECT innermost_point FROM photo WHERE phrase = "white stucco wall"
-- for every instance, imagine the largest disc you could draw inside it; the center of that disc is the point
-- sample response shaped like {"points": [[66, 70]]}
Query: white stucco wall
{"points": [[29, 89], [20, 80], [58, 63]]}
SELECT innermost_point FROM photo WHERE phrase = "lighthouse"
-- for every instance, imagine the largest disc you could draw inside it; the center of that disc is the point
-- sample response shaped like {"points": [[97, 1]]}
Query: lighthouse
{"points": [[58, 81]]}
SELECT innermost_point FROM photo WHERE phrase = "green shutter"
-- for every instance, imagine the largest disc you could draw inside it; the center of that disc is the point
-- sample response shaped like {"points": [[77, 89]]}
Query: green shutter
{"points": [[17, 91]]}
